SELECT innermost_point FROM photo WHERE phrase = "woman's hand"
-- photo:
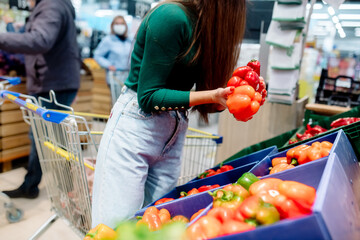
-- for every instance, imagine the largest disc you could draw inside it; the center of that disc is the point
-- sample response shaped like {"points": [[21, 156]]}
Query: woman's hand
{"points": [[221, 95], [216, 96]]}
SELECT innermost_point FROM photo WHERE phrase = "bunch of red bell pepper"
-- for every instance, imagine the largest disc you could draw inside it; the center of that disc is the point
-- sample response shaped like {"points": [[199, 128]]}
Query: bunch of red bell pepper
{"points": [[306, 153], [252, 202], [250, 91], [309, 133], [193, 191], [212, 172]]}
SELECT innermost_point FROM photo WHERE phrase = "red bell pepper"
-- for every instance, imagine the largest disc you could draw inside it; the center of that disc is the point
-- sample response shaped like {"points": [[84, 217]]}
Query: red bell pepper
{"points": [[344, 121], [255, 65], [237, 189], [255, 208], [196, 214], [233, 226], [204, 228], [189, 193], [222, 214], [208, 187], [228, 199], [207, 173], [244, 102], [300, 193], [163, 200]]}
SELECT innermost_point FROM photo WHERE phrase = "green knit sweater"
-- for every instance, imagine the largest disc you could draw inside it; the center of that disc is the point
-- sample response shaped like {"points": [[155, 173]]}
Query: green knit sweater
{"points": [[161, 79]]}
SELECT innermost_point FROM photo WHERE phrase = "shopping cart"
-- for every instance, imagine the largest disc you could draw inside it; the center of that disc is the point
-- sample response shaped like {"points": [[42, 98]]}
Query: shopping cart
{"points": [[116, 82], [199, 153], [67, 144], [13, 214]]}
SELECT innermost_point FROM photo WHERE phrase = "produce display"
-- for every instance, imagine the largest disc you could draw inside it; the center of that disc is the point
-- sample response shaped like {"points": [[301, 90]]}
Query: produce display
{"points": [[250, 91], [212, 172], [236, 209], [300, 155], [316, 130]]}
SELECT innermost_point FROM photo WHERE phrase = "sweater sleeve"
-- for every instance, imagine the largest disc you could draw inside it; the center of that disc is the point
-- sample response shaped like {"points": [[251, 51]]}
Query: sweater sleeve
{"points": [[41, 38], [165, 39]]}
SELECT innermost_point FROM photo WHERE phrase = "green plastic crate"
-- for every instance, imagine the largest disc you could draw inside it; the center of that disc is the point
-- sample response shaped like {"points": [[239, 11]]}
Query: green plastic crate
{"points": [[277, 141], [352, 131]]}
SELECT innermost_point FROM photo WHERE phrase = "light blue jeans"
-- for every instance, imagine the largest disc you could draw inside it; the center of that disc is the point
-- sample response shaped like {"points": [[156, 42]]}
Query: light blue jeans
{"points": [[138, 159]]}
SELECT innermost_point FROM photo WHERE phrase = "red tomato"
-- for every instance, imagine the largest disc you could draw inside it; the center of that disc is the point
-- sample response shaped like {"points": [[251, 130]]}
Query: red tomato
{"points": [[234, 82]]}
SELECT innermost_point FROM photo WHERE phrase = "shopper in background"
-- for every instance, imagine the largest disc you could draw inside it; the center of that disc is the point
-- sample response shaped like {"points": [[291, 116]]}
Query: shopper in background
{"points": [[179, 44], [113, 52], [52, 63]]}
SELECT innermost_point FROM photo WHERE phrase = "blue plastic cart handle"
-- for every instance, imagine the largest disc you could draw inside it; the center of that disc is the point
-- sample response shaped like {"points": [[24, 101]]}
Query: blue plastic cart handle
{"points": [[12, 80], [48, 115]]}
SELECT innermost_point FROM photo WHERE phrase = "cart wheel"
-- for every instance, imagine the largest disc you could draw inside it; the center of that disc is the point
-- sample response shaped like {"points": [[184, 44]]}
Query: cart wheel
{"points": [[14, 218]]}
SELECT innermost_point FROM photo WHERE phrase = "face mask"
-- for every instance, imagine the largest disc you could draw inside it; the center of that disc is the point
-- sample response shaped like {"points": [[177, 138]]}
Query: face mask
{"points": [[119, 29]]}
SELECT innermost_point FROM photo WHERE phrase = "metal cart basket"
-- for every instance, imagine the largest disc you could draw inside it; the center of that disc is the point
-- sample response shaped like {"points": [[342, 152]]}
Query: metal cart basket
{"points": [[67, 145]]}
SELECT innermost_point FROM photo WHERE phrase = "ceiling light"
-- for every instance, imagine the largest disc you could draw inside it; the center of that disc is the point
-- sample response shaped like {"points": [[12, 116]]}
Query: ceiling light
{"points": [[349, 16], [342, 35], [335, 19], [350, 24], [325, 3], [319, 16], [349, 6], [318, 6], [338, 26], [357, 34], [331, 11]]}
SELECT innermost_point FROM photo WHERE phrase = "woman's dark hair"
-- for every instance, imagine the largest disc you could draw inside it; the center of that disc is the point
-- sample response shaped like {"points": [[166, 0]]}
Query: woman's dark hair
{"points": [[113, 23], [218, 34]]}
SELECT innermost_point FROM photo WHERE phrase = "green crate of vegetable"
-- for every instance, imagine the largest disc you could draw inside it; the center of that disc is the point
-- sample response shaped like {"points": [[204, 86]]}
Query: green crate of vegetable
{"points": [[348, 121]]}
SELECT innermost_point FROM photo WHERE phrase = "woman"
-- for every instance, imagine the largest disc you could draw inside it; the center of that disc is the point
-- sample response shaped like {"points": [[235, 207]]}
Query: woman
{"points": [[113, 52], [179, 44]]}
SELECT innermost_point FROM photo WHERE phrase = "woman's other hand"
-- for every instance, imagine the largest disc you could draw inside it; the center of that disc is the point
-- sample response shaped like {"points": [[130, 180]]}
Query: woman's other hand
{"points": [[112, 68]]}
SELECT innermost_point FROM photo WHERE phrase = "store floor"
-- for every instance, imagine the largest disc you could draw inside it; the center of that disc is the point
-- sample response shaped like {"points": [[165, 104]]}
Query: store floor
{"points": [[36, 212]]}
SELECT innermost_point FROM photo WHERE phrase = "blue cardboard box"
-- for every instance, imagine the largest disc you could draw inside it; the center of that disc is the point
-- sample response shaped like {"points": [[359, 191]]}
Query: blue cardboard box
{"points": [[336, 213], [221, 179], [242, 161]]}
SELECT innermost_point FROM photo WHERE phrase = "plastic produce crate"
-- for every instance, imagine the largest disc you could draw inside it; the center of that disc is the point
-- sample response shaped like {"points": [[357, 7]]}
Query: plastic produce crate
{"points": [[262, 168], [352, 130], [185, 206], [221, 179], [277, 141], [249, 159], [341, 147], [336, 213]]}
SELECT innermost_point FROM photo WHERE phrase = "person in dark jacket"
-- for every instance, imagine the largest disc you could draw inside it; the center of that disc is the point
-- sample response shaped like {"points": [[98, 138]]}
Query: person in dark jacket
{"points": [[52, 63]]}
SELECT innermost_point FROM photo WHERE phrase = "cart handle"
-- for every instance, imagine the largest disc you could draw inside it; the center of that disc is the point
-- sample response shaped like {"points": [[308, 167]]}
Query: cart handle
{"points": [[48, 115], [11, 80]]}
